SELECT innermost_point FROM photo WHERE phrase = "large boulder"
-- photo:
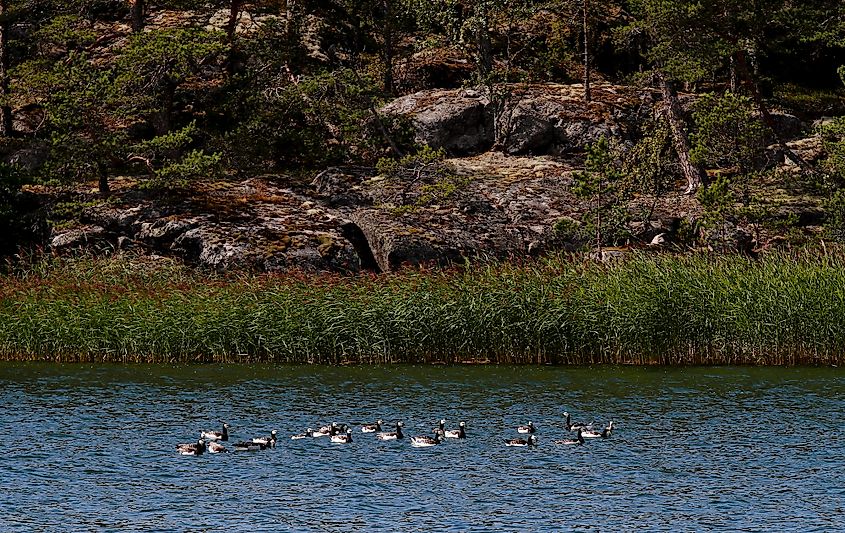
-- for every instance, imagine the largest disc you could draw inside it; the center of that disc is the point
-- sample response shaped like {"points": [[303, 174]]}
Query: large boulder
{"points": [[455, 120], [522, 119]]}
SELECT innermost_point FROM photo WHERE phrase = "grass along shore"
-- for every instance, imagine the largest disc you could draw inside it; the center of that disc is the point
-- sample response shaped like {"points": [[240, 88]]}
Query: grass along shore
{"points": [[781, 310]]}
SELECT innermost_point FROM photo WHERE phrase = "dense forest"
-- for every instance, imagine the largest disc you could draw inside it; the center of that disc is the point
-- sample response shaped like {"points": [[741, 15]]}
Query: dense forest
{"points": [[172, 97]]}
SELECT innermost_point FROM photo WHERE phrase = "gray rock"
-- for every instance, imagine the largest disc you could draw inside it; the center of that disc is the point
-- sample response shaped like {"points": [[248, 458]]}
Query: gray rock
{"points": [[161, 233], [78, 238], [29, 158], [529, 131], [787, 126], [455, 120]]}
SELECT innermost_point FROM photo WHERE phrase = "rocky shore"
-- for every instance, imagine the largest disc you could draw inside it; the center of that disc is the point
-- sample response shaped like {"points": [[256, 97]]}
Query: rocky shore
{"points": [[514, 159]]}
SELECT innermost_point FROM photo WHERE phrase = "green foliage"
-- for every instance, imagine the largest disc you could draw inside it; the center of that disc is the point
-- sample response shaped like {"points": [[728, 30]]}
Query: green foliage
{"points": [[79, 101], [323, 119], [833, 164], [170, 162], [11, 180], [16, 219], [835, 215], [422, 178], [155, 63], [728, 135], [603, 186], [718, 202], [651, 162], [64, 34], [683, 41]]}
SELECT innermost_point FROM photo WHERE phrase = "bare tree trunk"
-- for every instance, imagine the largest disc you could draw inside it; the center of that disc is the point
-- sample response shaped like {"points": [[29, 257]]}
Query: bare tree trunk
{"points": [[742, 67], [136, 12], [585, 12], [232, 21], [674, 115], [231, 28], [6, 124]]}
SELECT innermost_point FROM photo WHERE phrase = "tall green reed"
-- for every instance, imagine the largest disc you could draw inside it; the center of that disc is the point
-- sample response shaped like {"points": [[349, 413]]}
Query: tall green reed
{"points": [[782, 309]]}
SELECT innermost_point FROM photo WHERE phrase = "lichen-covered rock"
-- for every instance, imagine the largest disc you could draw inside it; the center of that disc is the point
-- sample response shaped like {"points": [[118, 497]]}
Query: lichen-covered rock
{"points": [[521, 119], [81, 237], [455, 120]]}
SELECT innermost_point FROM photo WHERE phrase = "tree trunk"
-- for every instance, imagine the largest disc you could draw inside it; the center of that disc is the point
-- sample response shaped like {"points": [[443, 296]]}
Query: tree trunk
{"points": [[674, 115], [586, 52], [6, 124], [103, 183], [742, 67], [485, 48], [136, 12], [232, 22], [388, 46], [164, 117], [231, 28]]}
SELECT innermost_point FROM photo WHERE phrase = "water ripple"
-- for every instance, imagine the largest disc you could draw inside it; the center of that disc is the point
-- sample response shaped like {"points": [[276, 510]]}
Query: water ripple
{"points": [[91, 448]]}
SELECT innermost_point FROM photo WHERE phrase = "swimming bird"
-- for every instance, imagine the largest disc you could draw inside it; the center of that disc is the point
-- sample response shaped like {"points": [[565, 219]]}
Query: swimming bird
{"points": [[330, 430], [306, 435], [195, 448], [603, 434], [343, 439], [325, 431], [459, 433], [217, 435], [214, 447], [526, 429], [441, 426], [521, 443], [267, 441], [578, 440], [392, 435], [424, 441], [371, 428], [249, 446], [577, 425]]}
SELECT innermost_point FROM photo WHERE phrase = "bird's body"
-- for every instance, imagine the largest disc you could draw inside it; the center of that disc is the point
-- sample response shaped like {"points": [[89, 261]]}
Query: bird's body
{"points": [[216, 435], [575, 426], [214, 447], [249, 446], [343, 438], [307, 435], [392, 435], [459, 433], [267, 441], [603, 434], [522, 443], [529, 428], [424, 441], [371, 428], [576, 441], [193, 448]]}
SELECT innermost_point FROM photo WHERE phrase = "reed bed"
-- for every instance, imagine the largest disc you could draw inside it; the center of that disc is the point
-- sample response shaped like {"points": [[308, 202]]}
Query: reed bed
{"points": [[780, 310]]}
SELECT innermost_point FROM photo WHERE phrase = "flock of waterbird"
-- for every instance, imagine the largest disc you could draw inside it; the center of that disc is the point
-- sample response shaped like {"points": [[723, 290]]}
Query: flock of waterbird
{"points": [[210, 441]]}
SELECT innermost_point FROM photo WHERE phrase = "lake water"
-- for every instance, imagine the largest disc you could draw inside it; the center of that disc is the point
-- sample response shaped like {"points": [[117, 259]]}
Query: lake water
{"points": [[743, 449]]}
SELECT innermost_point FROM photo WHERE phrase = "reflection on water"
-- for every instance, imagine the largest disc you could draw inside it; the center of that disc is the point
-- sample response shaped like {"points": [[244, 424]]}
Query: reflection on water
{"points": [[91, 447]]}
